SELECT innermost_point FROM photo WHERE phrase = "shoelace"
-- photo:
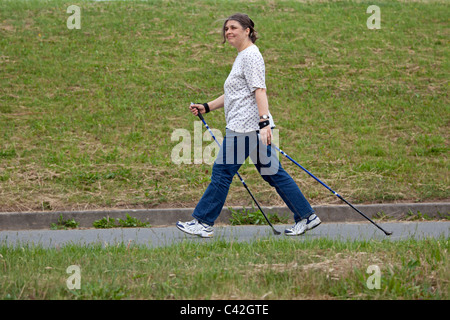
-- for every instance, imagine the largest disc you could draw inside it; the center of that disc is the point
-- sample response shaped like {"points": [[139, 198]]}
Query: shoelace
{"points": [[192, 222], [297, 226], [300, 224], [195, 225]]}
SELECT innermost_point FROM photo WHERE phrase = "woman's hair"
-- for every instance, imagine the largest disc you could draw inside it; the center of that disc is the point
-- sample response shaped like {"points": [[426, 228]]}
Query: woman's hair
{"points": [[245, 21]]}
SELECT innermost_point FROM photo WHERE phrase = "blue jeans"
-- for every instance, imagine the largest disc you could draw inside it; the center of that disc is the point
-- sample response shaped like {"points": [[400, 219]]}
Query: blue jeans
{"points": [[235, 149]]}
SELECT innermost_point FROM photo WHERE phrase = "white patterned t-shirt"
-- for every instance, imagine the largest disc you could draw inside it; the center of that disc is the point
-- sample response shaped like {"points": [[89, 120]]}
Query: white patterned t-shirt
{"points": [[247, 75]]}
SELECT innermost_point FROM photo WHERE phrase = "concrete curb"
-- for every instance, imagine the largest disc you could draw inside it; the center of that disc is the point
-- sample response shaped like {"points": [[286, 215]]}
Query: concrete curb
{"points": [[160, 217]]}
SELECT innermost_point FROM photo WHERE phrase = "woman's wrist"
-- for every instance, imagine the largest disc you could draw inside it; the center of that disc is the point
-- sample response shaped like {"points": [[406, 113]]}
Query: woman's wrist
{"points": [[206, 106], [264, 123]]}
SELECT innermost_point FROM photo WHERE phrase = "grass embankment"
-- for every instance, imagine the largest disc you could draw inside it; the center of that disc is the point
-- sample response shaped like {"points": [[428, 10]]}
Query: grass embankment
{"points": [[87, 116]]}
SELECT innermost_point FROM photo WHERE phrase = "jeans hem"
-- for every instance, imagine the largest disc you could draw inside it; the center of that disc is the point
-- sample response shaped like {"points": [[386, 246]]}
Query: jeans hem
{"points": [[306, 216], [202, 221]]}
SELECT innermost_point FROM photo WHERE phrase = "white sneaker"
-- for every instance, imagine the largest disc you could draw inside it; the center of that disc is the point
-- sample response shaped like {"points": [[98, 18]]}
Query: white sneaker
{"points": [[196, 228], [302, 226]]}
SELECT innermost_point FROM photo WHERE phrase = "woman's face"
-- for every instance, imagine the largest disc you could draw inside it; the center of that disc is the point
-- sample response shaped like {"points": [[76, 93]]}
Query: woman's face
{"points": [[235, 33]]}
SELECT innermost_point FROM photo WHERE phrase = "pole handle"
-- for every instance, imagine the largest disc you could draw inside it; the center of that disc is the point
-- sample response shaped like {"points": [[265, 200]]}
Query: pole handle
{"points": [[198, 114]]}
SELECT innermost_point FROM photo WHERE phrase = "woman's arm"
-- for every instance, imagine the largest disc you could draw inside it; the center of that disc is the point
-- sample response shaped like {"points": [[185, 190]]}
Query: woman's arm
{"points": [[261, 101], [263, 108], [218, 103]]}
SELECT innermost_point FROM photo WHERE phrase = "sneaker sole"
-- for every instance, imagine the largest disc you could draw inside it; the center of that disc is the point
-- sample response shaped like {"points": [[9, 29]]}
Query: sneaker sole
{"points": [[315, 226], [294, 234]]}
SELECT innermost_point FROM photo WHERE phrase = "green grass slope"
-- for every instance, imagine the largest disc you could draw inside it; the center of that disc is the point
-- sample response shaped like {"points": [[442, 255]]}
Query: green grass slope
{"points": [[87, 115]]}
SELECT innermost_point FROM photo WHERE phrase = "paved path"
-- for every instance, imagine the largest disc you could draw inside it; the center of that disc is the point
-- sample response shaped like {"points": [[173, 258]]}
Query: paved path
{"points": [[163, 236], [160, 217]]}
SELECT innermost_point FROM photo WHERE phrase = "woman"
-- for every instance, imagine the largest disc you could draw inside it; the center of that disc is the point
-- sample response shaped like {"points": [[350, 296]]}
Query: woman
{"points": [[248, 133]]}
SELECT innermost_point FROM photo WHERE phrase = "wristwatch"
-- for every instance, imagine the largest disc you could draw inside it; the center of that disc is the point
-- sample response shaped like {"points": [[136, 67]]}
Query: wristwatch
{"points": [[264, 117]]}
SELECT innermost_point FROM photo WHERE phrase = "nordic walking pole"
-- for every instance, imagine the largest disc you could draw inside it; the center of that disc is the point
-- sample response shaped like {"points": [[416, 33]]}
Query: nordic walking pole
{"points": [[239, 176], [332, 191]]}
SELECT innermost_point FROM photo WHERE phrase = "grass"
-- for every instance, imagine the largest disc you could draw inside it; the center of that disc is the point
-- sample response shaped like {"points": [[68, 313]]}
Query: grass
{"points": [[411, 216], [129, 222], [64, 224], [86, 116], [254, 216], [265, 269]]}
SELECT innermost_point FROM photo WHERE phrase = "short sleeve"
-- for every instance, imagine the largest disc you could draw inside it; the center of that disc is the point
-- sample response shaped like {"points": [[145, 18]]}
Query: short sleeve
{"points": [[254, 70]]}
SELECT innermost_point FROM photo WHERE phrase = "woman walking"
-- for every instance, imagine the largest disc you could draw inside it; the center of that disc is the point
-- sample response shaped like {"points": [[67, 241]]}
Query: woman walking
{"points": [[248, 133]]}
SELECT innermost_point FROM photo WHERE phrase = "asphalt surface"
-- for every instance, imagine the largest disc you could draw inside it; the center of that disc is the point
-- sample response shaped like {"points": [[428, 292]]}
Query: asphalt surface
{"points": [[165, 236]]}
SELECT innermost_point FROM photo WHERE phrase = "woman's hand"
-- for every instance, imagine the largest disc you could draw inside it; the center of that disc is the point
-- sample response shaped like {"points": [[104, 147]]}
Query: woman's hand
{"points": [[196, 108], [265, 135]]}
